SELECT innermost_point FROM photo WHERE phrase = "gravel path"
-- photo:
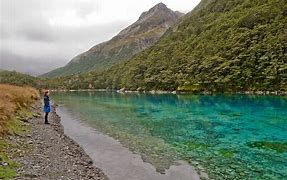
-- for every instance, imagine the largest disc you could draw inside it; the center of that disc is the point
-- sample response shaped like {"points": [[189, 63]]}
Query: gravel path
{"points": [[50, 154]]}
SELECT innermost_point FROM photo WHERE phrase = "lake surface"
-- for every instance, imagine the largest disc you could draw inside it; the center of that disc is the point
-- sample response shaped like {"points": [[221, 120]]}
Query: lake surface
{"points": [[227, 136]]}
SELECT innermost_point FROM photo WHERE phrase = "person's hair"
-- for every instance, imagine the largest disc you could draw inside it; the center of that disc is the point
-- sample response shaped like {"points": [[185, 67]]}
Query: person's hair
{"points": [[46, 92]]}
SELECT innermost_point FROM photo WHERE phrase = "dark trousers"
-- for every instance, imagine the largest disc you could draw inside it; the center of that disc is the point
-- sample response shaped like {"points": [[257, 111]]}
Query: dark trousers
{"points": [[46, 117]]}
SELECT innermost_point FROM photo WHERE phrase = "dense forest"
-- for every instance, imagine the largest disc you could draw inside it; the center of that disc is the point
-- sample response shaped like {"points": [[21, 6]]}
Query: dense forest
{"points": [[234, 45], [19, 79]]}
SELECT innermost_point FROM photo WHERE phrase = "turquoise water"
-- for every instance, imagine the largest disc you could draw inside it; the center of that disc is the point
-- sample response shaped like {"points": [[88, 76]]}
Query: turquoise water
{"points": [[228, 136]]}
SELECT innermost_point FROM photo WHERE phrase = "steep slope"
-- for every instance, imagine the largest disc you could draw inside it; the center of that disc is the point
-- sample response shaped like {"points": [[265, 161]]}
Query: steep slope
{"points": [[143, 33], [223, 45]]}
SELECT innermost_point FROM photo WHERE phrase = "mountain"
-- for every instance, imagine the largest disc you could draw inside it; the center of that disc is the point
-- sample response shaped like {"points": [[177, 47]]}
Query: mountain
{"points": [[150, 26], [222, 45]]}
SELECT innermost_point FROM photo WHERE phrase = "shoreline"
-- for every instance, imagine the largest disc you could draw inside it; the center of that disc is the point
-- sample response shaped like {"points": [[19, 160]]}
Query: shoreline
{"points": [[46, 152], [49, 152], [117, 160], [259, 93]]}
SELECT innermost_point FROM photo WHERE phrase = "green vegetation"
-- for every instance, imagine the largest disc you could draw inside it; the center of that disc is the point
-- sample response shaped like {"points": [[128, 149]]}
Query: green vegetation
{"points": [[7, 171], [226, 153], [234, 45], [14, 101], [279, 147], [7, 150], [19, 79]]}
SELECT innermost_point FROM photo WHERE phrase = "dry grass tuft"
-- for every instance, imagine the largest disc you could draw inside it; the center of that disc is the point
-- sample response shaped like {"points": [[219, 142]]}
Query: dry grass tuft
{"points": [[12, 98]]}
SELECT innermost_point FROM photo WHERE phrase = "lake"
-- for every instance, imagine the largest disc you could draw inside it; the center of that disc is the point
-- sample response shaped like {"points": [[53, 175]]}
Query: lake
{"points": [[227, 136]]}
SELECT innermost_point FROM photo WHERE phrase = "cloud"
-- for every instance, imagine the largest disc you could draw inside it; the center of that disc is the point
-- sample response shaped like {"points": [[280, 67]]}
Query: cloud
{"points": [[39, 35], [33, 66]]}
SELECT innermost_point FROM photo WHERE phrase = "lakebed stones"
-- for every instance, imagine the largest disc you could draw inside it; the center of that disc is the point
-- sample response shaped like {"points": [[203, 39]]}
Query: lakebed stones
{"points": [[46, 153]]}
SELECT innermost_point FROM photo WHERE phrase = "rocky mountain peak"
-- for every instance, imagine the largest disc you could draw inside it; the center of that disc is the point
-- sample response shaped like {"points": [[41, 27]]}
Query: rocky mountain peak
{"points": [[140, 35], [157, 16], [160, 7]]}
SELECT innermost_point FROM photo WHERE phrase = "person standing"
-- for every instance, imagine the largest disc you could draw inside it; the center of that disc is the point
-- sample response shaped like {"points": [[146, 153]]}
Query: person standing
{"points": [[47, 107]]}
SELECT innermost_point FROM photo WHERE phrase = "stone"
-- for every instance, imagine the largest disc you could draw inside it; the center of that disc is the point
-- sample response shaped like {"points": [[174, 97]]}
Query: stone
{"points": [[30, 175], [203, 175], [24, 120], [200, 167], [3, 163]]}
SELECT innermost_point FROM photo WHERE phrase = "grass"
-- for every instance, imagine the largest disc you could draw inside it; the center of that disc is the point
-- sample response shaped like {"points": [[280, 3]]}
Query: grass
{"points": [[7, 167], [12, 99], [14, 102]]}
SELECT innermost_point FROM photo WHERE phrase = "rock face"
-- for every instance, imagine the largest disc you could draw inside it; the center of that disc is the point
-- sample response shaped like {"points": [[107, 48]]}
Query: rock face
{"points": [[150, 26]]}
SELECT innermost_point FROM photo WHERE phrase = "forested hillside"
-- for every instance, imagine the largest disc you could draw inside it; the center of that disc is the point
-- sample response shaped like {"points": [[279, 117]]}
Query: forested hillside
{"points": [[223, 45], [19, 79]]}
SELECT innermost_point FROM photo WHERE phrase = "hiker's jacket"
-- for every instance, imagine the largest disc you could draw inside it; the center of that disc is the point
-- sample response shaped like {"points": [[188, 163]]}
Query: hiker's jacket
{"points": [[47, 104]]}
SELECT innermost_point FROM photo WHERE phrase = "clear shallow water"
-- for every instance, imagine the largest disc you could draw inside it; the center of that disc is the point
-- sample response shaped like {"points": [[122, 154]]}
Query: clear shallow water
{"points": [[234, 137]]}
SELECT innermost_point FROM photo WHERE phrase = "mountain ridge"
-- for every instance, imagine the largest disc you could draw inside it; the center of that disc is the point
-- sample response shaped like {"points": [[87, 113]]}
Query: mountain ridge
{"points": [[149, 27], [220, 46]]}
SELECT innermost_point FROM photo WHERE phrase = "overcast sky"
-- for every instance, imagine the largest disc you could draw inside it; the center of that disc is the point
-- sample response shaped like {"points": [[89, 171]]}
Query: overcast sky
{"points": [[40, 35]]}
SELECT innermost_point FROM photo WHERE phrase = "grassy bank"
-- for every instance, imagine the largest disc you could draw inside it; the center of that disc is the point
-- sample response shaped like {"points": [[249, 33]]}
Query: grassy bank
{"points": [[14, 103]]}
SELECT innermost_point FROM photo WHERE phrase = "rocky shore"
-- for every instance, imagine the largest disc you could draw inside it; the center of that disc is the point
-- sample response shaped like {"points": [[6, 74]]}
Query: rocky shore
{"points": [[45, 152], [123, 90]]}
